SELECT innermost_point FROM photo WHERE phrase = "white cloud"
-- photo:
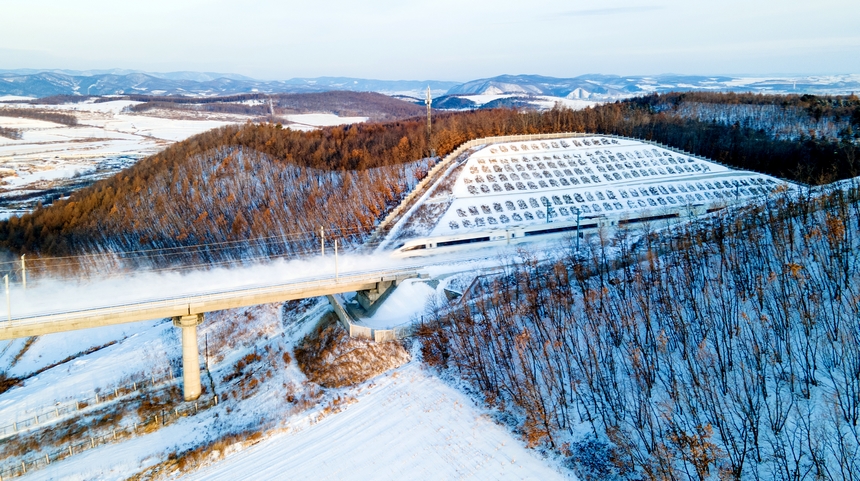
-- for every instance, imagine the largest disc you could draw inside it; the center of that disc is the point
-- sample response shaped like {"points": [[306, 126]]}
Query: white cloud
{"points": [[444, 39]]}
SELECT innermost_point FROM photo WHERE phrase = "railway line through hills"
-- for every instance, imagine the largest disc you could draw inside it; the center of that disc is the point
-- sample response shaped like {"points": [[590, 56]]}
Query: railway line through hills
{"points": [[547, 156]]}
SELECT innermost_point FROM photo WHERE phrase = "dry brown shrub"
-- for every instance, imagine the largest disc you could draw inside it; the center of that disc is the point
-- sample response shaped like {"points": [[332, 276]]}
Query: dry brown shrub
{"points": [[330, 358], [7, 383], [307, 398], [250, 372], [194, 458], [29, 342], [335, 406], [240, 366], [434, 344], [163, 401]]}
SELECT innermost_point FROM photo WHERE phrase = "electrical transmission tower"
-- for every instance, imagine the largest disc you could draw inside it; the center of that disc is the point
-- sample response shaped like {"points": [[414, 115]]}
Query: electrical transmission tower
{"points": [[429, 102]]}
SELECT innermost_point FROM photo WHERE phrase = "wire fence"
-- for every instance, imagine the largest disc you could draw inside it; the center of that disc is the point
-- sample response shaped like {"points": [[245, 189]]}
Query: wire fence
{"points": [[46, 415], [152, 423]]}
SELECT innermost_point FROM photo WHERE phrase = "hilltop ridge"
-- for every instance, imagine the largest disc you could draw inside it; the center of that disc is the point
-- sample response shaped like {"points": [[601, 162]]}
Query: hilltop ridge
{"points": [[43, 83]]}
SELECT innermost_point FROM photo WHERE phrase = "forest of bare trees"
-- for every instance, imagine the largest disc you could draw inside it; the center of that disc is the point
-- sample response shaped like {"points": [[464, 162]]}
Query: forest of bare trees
{"points": [[40, 114], [73, 225], [375, 106], [791, 117], [729, 349], [10, 133], [229, 205]]}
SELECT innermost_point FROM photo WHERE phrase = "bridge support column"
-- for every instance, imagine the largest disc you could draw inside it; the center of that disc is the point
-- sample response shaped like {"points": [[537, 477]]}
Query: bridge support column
{"points": [[369, 297], [190, 355]]}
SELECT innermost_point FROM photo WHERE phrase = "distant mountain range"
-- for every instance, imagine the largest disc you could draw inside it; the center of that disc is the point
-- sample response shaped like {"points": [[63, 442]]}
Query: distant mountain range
{"points": [[185, 75], [609, 87], [29, 83], [32, 83]]}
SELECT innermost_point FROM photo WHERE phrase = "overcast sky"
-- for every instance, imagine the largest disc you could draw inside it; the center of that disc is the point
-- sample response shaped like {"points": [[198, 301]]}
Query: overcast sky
{"points": [[443, 39]]}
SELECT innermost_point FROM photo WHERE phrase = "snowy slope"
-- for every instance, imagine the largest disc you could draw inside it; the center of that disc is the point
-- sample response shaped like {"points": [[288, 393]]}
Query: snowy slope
{"points": [[405, 425]]}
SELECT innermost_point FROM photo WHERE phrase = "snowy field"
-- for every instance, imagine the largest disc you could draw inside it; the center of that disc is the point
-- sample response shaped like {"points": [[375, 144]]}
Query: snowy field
{"points": [[407, 424], [56, 156], [106, 139], [314, 121], [543, 102]]}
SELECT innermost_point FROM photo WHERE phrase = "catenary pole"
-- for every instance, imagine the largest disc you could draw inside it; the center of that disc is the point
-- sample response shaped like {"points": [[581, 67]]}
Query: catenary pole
{"points": [[8, 298]]}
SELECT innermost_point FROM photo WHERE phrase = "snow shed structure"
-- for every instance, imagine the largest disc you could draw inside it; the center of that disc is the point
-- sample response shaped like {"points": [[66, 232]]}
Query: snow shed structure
{"points": [[516, 189]]}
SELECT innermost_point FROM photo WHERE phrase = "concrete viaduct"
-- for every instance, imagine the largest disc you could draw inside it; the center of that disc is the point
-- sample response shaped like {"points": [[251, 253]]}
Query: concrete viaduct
{"points": [[187, 311]]}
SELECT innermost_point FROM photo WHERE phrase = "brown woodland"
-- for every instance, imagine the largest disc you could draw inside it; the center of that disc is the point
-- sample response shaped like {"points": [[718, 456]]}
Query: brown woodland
{"points": [[219, 185]]}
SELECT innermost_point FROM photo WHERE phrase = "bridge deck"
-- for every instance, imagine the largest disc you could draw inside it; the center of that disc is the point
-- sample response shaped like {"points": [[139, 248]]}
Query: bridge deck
{"points": [[50, 323]]}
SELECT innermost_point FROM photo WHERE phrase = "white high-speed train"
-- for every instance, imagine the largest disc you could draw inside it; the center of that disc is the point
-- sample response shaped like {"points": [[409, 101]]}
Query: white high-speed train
{"points": [[525, 233]]}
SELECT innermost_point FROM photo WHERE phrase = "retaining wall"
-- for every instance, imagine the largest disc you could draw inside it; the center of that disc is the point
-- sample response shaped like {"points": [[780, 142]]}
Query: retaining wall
{"points": [[364, 332]]}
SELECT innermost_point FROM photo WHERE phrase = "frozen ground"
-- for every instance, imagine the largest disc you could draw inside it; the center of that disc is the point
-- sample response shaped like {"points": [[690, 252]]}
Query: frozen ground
{"points": [[51, 160], [138, 347]]}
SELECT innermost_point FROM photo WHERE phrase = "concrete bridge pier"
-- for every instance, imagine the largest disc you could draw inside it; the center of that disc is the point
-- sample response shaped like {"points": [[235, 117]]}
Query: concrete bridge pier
{"points": [[190, 355], [367, 298]]}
